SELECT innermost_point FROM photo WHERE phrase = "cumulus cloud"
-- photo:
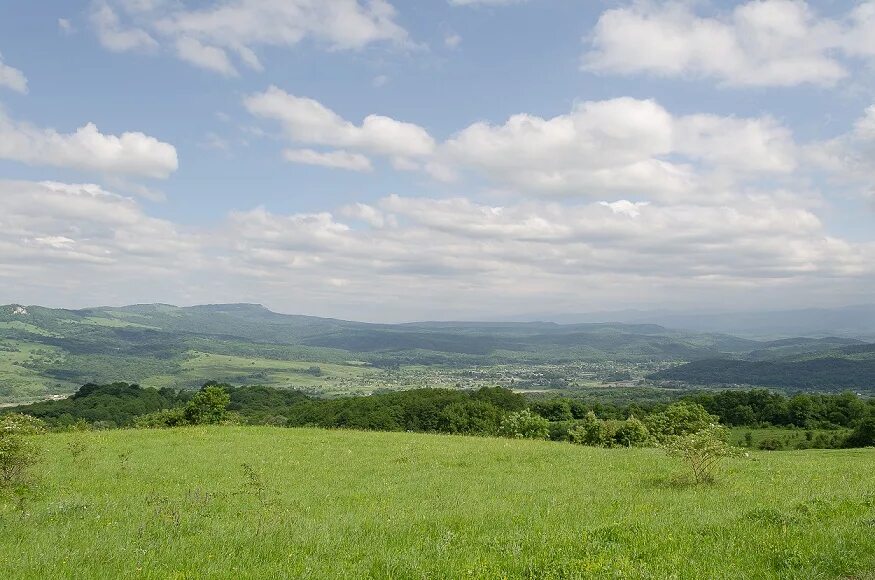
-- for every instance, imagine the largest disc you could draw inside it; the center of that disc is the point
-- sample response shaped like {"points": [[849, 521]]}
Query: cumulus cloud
{"points": [[849, 157], [402, 253], [87, 149], [49, 223], [620, 146], [115, 37], [757, 43], [65, 26], [334, 159], [12, 78], [204, 36], [452, 40], [456, 251], [309, 122], [208, 57], [485, 2]]}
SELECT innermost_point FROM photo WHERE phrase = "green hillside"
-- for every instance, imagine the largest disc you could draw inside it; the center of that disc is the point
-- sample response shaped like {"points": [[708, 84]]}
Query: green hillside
{"points": [[214, 502], [45, 352], [50, 352], [825, 373]]}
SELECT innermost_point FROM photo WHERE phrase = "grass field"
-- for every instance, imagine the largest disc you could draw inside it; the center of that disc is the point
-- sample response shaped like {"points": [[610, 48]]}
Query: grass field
{"points": [[277, 503], [788, 438]]}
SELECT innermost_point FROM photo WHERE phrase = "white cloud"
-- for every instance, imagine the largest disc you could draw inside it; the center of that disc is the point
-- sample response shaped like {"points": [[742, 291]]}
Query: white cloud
{"points": [[207, 57], [622, 146], [452, 40], [113, 36], [87, 149], [850, 157], [307, 121], [44, 224], [447, 253], [485, 2], [429, 255], [758, 43], [65, 26], [206, 35], [12, 78], [334, 159], [758, 144], [368, 214]]}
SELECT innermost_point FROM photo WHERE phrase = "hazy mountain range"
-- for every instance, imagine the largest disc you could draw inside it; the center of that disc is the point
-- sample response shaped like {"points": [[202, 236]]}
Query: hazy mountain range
{"points": [[848, 321]]}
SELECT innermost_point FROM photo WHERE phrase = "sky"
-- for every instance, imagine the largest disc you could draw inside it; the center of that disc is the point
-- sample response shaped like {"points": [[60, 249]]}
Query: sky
{"points": [[438, 159]]}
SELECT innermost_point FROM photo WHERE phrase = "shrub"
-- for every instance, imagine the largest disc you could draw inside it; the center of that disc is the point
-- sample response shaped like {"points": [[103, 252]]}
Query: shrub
{"points": [[863, 435], [679, 419], [18, 450], [161, 419], [469, 417], [208, 406], [587, 432], [701, 451], [525, 425], [771, 444], [612, 433], [631, 433]]}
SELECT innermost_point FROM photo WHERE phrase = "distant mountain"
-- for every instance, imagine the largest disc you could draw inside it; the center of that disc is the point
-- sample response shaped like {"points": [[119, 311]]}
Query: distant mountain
{"points": [[850, 321], [826, 373], [46, 351]]}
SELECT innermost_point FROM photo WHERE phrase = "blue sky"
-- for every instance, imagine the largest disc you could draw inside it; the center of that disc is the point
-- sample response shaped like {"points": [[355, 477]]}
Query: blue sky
{"points": [[436, 159]]}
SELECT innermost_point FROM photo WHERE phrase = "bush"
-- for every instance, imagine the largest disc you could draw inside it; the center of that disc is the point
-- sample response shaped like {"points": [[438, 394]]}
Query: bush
{"points": [[771, 444], [701, 451], [161, 419], [631, 433], [525, 425], [208, 406], [587, 432], [679, 419], [469, 417], [863, 435], [18, 450], [612, 433]]}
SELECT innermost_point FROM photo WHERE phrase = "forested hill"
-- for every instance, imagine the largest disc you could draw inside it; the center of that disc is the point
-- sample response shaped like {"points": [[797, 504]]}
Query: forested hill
{"points": [[45, 352], [829, 373]]}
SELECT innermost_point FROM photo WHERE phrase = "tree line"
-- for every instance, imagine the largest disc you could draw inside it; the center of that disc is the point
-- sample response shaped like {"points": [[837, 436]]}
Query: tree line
{"points": [[485, 411]]}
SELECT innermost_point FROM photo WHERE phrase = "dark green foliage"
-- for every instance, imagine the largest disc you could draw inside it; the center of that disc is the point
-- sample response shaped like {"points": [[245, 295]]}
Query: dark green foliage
{"points": [[554, 409], [208, 406], [479, 412], [825, 374], [116, 403], [596, 432], [502, 398], [524, 425], [863, 435], [470, 418], [439, 410], [771, 444], [761, 407]]}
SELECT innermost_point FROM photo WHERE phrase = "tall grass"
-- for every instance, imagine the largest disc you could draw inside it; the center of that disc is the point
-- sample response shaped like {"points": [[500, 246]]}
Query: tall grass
{"points": [[219, 502]]}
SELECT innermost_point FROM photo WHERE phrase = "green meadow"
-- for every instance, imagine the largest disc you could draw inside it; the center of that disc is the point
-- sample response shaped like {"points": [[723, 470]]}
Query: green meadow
{"points": [[219, 502]]}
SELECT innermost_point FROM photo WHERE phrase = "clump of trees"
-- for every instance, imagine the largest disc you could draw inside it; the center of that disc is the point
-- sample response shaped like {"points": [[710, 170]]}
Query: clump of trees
{"points": [[597, 432], [525, 425], [485, 411], [18, 448], [863, 435], [209, 406]]}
